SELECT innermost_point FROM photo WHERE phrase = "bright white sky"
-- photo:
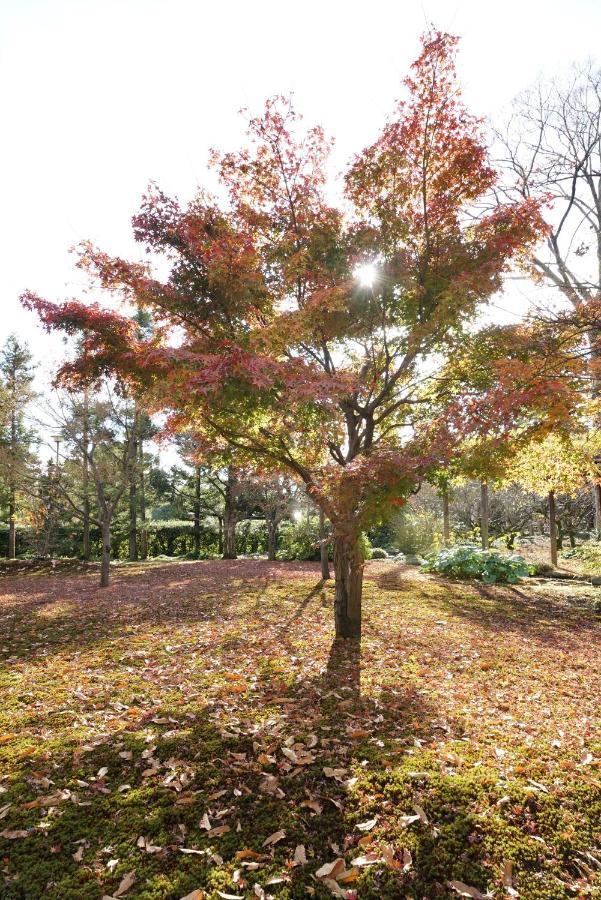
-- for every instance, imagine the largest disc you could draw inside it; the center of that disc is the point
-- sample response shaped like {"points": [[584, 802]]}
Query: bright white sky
{"points": [[100, 96]]}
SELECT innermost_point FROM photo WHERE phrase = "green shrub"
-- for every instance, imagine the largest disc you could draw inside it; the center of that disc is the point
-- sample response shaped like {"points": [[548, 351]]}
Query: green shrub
{"points": [[379, 553], [467, 561]]}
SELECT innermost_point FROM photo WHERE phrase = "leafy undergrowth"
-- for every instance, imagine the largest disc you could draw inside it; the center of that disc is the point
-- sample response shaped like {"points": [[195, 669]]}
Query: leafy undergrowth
{"points": [[194, 730]]}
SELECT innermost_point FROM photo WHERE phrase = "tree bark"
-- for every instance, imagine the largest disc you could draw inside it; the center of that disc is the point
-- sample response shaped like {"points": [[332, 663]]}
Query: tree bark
{"points": [[197, 484], [552, 527], [12, 534], [12, 502], [106, 554], [85, 445], [229, 518], [272, 539], [348, 568], [597, 502], [133, 494], [446, 519], [143, 532], [484, 514], [220, 537], [323, 548]]}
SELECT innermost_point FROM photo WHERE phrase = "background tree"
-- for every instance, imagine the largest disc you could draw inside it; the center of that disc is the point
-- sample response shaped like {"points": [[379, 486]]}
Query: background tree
{"points": [[311, 346], [16, 438], [551, 149], [550, 467], [105, 437]]}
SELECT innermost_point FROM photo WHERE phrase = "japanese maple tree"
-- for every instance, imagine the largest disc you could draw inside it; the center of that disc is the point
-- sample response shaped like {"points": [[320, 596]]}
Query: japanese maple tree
{"points": [[311, 338]]}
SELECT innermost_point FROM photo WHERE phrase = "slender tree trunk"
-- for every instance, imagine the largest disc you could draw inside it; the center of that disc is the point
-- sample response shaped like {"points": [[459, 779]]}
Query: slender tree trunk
{"points": [[12, 500], [323, 547], [572, 538], [446, 519], [272, 539], [133, 494], [197, 484], [597, 503], [553, 527], [143, 532], [559, 535], [484, 514], [220, 537], [106, 553], [229, 518], [348, 568], [86, 478]]}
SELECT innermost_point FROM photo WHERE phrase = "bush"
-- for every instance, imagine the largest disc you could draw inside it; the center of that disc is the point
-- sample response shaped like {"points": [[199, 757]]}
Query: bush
{"points": [[379, 553], [467, 561]]}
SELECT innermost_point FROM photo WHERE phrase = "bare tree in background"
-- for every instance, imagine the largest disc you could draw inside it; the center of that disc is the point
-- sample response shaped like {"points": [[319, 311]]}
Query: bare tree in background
{"points": [[551, 148]]}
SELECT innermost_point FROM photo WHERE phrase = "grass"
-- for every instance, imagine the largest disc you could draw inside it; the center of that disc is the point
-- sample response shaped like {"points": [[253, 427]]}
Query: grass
{"points": [[195, 723]]}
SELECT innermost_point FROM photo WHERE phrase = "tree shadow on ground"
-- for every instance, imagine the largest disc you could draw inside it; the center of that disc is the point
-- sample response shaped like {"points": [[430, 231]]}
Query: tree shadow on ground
{"points": [[74, 612], [223, 758]]}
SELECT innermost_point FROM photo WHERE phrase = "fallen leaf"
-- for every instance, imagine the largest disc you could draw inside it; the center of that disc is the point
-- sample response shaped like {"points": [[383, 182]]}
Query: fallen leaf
{"points": [[300, 856], [274, 838], [330, 870], [78, 855], [366, 826], [464, 890], [195, 895], [13, 835], [125, 884]]}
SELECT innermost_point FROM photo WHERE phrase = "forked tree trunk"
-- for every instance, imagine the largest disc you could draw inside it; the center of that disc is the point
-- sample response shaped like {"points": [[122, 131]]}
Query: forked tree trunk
{"points": [[484, 514], [272, 539], [106, 554], [553, 527], [446, 519], [323, 547], [348, 569]]}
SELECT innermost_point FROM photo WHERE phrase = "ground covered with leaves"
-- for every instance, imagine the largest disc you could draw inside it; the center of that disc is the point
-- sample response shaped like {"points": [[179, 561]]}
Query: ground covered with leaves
{"points": [[194, 731]]}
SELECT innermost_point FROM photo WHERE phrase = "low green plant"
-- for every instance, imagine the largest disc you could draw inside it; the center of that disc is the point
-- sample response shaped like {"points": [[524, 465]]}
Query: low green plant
{"points": [[468, 561], [379, 553]]}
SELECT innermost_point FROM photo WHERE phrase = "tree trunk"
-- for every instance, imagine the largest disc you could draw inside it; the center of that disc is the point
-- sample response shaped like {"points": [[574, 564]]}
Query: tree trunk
{"points": [[197, 484], [133, 495], [552, 527], [229, 538], [143, 532], [446, 519], [348, 568], [106, 554], [559, 535], [229, 518], [272, 539], [12, 502], [220, 537], [12, 534], [484, 514], [572, 538], [597, 503], [86, 479], [323, 548]]}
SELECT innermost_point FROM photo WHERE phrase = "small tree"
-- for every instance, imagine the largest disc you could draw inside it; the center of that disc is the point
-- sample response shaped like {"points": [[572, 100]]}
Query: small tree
{"points": [[313, 340], [547, 468], [16, 372], [101, 431]]}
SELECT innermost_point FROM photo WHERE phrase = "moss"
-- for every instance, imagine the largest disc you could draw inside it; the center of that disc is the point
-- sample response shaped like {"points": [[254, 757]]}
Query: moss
{"points": [[188, 689]]}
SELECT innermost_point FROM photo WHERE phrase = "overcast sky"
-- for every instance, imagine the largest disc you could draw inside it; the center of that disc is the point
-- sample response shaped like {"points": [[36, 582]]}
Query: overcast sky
{"points": [[100, 96]]}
